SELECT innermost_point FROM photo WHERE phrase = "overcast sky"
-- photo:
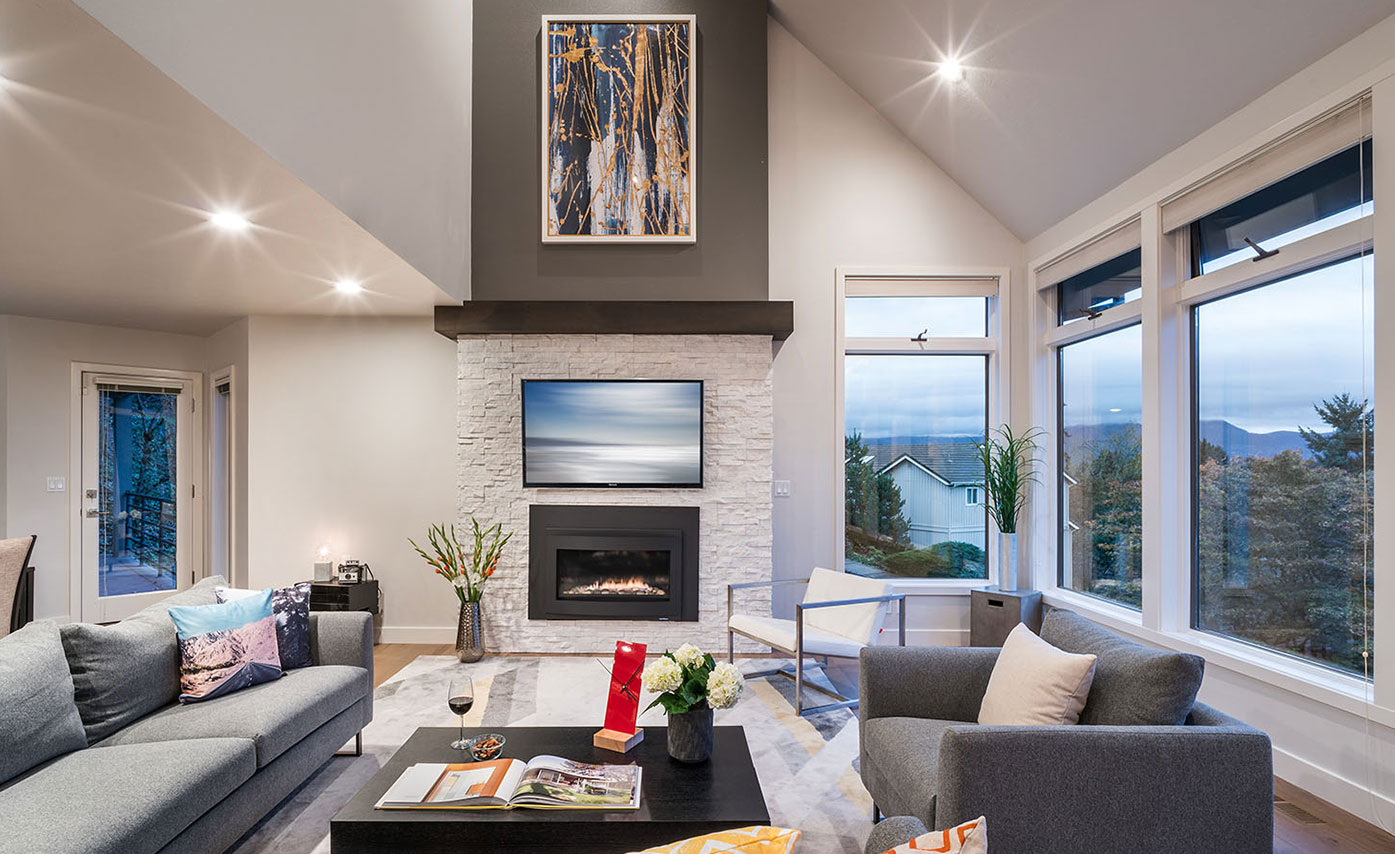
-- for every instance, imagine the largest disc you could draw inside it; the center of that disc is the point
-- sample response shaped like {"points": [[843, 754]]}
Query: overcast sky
{"points": [[1266, 356]]}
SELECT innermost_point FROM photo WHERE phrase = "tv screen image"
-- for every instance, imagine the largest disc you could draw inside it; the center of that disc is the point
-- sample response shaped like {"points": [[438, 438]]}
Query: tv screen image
{"points": [[615, 433]]}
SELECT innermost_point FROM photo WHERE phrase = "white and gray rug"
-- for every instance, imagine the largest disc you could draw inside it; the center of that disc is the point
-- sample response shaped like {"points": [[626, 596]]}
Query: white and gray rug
{"points": [[805, 765]]}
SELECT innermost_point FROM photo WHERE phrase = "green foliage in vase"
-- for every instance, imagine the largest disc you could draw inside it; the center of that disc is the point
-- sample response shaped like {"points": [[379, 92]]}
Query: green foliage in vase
{"points": [[1009, 466], [466, 567]]}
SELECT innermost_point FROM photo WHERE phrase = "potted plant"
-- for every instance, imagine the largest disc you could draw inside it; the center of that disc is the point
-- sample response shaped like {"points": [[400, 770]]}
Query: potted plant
{"points": [[1009, 465], [467, 568], [690, 685]]}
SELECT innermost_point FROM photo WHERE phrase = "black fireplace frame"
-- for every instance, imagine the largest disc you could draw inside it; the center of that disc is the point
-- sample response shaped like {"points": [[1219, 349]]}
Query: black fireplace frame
{"points": [[554, 526]]}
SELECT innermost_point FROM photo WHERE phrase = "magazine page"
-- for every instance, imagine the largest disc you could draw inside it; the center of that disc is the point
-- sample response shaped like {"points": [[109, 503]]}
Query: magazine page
{"points": [[434, 785], [551, 781]]}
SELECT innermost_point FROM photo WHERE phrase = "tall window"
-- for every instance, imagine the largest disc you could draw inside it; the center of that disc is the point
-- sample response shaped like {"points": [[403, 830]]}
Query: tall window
{"points": [[916, 369], [1282, 485], [1100, 434]]}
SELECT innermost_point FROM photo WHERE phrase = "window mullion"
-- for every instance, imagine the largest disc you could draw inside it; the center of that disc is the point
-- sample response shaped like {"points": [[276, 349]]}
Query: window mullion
{"points": [[1162, 477]]}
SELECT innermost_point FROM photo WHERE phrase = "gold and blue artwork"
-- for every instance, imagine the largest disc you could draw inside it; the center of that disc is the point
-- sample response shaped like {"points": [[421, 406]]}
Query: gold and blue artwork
{"points": [[618, 129]]}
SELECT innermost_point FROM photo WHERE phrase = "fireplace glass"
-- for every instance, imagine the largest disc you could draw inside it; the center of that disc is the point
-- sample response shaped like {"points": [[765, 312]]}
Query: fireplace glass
{"points": [[627, 574]]}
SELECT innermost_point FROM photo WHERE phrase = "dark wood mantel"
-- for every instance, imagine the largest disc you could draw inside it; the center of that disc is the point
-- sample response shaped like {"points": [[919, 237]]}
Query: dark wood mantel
{"points": [[617, 317]]}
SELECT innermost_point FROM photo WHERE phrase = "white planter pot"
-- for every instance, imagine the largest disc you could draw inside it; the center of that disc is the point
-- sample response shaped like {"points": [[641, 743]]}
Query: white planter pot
{"points": [[1007, 561]]}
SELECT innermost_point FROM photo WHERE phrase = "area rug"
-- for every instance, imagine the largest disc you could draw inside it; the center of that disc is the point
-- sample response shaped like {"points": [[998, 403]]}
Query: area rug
{"points": [[806, 765]]}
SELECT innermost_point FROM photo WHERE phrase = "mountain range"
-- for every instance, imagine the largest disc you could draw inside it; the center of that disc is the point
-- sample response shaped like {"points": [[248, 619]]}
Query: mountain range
{"points": [[1234, 440]]}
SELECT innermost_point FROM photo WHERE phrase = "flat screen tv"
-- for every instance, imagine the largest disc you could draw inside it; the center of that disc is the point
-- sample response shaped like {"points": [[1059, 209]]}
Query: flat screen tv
{"points": [[612, 433]]}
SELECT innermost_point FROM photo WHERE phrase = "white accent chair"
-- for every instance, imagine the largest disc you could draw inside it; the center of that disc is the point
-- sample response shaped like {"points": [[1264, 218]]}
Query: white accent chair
{"points": [[844, 614]]}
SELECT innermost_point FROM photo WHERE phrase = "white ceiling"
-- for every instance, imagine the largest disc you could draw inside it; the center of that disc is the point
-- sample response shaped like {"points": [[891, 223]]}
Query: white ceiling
{"points": [[1064, 99], [367, 101], [108, 168]]}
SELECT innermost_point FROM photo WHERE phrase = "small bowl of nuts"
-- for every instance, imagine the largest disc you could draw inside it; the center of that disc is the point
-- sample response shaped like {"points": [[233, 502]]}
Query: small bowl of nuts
{"points": [[487, 746]]}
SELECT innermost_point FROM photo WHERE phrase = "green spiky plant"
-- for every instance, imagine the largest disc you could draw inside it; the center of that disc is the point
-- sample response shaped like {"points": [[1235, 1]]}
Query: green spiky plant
{"points": [[466, 567], [1009, 466]]}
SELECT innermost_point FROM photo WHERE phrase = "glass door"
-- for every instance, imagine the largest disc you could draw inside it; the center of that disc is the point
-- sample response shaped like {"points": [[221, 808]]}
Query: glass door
{"points": [[137, 492]]}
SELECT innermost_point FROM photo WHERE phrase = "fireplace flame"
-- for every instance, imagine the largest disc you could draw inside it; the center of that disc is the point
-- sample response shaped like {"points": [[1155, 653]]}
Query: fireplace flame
{"points": [[634, 586]]}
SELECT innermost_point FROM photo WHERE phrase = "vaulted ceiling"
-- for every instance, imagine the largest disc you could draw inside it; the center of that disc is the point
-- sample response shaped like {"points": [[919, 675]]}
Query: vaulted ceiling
{"points": [[109, 172], [1064, 99]]}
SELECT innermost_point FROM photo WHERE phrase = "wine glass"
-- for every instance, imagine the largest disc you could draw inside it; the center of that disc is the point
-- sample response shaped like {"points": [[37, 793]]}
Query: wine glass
{"points": [[461, 697]]}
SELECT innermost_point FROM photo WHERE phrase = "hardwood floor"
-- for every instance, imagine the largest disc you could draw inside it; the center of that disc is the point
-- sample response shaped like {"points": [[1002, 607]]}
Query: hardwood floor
{"points": [[1303, 824]]}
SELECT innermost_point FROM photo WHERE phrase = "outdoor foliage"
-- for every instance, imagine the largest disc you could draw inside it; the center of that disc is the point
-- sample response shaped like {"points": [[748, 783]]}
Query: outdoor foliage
{"points": [[950, 559], [874, 502], [1106, 503], [1282, 542]]}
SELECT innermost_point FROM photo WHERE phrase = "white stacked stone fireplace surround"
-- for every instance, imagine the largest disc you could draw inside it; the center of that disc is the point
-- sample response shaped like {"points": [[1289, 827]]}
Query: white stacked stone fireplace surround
{"points": [[735, 502]]}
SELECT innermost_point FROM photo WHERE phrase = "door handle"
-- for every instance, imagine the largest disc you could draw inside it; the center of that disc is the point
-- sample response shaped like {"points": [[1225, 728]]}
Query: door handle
{"points": [[93, 513]]}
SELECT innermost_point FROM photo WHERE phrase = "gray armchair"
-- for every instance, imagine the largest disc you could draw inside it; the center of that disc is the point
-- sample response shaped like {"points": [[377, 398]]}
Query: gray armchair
{"points": [[1205, 787]]}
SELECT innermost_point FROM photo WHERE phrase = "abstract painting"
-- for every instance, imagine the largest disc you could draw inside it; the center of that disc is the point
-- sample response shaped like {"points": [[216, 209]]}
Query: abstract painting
{"points": [[619, 129], [612, 433]]}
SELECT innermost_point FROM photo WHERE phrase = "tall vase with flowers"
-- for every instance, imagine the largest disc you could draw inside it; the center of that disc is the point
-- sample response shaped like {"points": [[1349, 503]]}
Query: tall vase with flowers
{"points": [[467, 567]]}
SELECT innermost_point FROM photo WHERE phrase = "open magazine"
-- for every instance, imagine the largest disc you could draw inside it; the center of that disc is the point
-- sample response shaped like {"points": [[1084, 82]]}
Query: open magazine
{"points": [[543, 782]]}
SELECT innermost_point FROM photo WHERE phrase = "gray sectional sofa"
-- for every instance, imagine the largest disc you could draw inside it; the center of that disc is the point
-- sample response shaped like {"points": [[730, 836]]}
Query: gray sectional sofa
{"points": [[97, 756], [1146, 771]]}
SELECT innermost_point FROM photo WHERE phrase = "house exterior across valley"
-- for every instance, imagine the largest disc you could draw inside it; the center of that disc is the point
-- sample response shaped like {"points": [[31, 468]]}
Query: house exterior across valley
{"points": [[942, 485]]}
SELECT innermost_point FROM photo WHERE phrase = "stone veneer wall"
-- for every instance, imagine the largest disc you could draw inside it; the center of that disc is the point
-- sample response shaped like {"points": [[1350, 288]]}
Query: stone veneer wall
{"points": [[735, 539]]}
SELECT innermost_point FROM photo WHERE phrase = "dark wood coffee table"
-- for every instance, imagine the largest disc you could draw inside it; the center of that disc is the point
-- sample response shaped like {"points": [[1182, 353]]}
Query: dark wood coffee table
{"points": [[676, 800]]}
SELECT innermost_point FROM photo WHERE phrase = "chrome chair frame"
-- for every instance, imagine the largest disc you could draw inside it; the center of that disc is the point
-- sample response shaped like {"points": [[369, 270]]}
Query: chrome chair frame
{"points": [[796, 671]]}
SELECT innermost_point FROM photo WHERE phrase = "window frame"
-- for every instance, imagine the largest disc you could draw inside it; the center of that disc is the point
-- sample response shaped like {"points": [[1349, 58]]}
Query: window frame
{"points": [[993, 283], [1058, 451], [1169, 293]]}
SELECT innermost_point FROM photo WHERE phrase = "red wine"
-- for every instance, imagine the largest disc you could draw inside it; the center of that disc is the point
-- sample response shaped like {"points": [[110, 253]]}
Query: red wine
{"points": [[461, 705]]}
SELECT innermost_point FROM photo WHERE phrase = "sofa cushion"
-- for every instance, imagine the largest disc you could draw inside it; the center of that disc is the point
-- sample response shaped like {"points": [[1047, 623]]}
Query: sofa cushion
{"points": [[905, 754], [226, 647], [1034, 683], [858, 623], [1134, 685], [38, 719], [273, 715], [121, 800], [125, 671], [780, 633]]}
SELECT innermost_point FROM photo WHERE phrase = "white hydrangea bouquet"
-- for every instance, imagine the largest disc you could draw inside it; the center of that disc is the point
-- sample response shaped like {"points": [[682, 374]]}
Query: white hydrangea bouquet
{"points": [[688, 678]]}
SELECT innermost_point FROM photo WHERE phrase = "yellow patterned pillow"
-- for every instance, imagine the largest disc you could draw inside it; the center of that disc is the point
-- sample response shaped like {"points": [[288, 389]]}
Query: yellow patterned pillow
{"points": [[742, 840], [971, 837]]}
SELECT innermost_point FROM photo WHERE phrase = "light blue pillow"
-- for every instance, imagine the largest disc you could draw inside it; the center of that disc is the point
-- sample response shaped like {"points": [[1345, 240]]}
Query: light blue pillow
{"points": [[226, 647]]}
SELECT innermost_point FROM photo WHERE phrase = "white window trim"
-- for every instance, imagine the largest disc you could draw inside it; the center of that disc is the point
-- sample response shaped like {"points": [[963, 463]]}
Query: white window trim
{"points": [[1164, 311], [992, 282], [222, 375]]}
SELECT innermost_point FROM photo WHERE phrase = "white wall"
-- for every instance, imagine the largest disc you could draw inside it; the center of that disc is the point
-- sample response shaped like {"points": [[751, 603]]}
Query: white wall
{"points": [[38, 389], [847, 189], [1322, 740], [351, 442]]}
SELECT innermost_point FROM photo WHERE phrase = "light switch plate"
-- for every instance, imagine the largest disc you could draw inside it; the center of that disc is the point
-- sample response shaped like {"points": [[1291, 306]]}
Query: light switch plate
{"points": [[57, 484], [782, 489]]}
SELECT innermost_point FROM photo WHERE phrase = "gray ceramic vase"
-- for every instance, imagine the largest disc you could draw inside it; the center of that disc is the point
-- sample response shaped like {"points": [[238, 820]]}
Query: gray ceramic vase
{"points": [[690, 735], [469, 635]]}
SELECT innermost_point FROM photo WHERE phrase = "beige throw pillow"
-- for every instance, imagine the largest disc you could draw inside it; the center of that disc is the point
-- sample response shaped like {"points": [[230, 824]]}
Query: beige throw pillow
{"points": [[1033, 682]]}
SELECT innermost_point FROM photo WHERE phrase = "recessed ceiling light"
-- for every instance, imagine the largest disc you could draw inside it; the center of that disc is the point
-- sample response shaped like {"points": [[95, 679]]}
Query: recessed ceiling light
{"points": [[951, 70], [348, 286], [230, 220]]}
